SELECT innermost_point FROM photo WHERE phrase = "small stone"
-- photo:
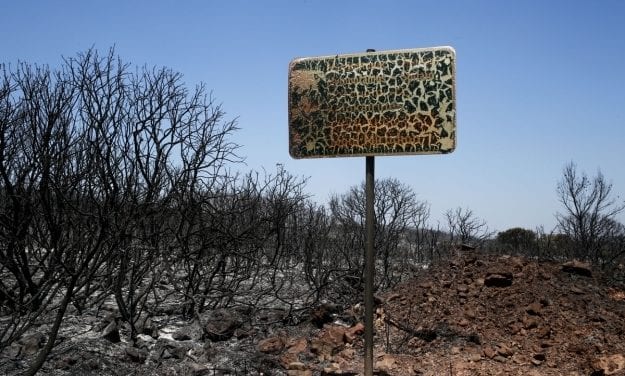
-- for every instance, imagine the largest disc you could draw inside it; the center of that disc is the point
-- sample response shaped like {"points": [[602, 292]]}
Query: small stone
{"points": [[577, 290], [504, 350], [352, 333], [544, 332], [385, 365], [298, 366], [111, 332], [489, 352], [166, 354], [530, 322], [577, 267], [199, 369], [181, 335], [515, 327], [499, 279], [534, 309], [136, 355], [272, 345], [328, 341], [30, 344], [462, 288], [475, 357], [294, 372], [220, 324], [609, 364], [500, 359]]}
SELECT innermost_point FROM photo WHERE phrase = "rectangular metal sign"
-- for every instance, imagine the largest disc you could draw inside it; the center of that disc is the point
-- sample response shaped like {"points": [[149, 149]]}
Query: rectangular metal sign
{"points": [[374, 103]]}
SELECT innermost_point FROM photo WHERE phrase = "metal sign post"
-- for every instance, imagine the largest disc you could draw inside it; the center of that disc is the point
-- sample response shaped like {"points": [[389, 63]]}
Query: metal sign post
{"points": [[369, 262], [399, 102]]}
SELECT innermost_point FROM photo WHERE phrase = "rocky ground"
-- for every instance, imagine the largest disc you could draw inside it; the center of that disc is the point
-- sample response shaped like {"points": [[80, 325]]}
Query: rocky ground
{"points": [[474, 315]]}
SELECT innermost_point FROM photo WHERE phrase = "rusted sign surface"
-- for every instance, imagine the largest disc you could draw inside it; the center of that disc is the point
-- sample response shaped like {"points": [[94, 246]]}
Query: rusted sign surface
{"points": [[376, 103]]}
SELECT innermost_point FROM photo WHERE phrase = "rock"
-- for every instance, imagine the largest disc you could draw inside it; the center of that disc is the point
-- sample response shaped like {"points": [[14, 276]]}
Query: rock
{"points": [[577, 267], [462, 288], [244, 332], [530, 322], [470, 314], [67, 361], [296, 366], [111, 332], [92, 364], [144, 341], [576, 290], [272, 345], [354, 332], [298, 369], [489, 352], [544, 332], [500, 359], [136, 355], [534, 309], [328, 342], [166, 349], [294, 347], [504, 350], [190, 332], [180, 335], [385, 365], [295, 372], [148, 327], [13, 351], [498, 279], [178, 351], [199, 369], [609, 364], [31, 344], [221, 324]]}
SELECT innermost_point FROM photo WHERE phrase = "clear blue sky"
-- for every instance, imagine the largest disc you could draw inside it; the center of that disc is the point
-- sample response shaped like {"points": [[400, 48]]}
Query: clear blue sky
{"points": [[539, 83]]}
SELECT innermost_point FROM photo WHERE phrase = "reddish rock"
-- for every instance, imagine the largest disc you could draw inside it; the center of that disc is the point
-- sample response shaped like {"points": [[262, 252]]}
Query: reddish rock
{"points": [[504, 350], [534, 309], [609, 364], [354, 332], [294, 348], [489, 352], [298, 369], [385, 365], [530, 322], [328, 342]]}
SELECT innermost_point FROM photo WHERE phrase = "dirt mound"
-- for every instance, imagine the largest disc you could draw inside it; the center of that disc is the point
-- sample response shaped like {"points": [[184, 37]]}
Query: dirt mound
{"points": [[489, 315]]}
